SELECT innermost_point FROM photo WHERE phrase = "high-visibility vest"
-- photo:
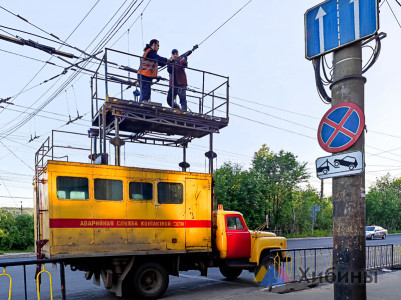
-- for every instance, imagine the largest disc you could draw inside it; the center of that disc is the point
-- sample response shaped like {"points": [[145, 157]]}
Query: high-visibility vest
{"points": [[148, 67]]}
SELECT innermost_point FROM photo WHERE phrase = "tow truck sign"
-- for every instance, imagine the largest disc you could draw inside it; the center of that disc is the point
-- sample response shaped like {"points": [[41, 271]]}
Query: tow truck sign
{"points": [[344, 164]]}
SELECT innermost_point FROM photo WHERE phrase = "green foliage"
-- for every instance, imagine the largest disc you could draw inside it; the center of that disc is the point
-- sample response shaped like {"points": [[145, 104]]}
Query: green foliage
{"points": [[271, 187], [383, 203], [239, 190], [16, 232]]}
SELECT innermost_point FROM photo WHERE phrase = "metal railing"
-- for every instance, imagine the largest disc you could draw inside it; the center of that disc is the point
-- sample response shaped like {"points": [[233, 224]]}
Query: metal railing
{"points": [[294, 265], [40, 270], [207, 92]]}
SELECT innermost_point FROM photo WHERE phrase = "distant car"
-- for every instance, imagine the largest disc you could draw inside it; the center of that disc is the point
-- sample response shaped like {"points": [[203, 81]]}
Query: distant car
{"points": [[347, 161], [373, 231]]}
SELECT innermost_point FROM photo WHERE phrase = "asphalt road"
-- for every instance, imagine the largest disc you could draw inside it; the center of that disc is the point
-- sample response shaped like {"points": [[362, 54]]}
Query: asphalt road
{"points": [[328, 242], [189, 285]]}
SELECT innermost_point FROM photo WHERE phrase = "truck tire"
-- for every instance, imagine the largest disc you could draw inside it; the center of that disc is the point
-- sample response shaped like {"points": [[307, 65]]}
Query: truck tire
{"points": [[230, 272], [150, 281], [266, 262]]}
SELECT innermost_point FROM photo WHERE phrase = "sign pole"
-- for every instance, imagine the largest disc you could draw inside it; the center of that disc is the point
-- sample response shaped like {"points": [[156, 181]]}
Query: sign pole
{"points": [[313, 220], [349, 214]]}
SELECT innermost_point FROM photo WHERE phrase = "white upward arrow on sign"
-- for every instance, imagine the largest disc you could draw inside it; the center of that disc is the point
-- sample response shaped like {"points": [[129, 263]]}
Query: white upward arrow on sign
{"points": [[356, 18], [320, 14]]}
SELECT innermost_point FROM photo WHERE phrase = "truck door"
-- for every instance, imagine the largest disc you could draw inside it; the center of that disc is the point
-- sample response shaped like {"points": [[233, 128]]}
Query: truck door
{"points": [[238, 237]]}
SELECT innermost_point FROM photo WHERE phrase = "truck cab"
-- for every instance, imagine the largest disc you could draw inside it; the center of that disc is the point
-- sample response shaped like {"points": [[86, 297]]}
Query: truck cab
{"points": [[238, 247]]}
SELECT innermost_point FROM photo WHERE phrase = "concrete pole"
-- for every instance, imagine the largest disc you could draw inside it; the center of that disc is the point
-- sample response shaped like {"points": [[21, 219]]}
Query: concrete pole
{"points": [[349, 256]]}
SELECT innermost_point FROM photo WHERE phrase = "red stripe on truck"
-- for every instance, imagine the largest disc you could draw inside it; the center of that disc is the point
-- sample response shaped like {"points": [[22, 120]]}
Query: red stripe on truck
{"points": [[124, 223]]}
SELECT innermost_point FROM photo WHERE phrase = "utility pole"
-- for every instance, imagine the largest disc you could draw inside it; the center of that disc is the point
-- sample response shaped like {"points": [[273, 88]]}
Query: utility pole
{"points": [[349, 254]]}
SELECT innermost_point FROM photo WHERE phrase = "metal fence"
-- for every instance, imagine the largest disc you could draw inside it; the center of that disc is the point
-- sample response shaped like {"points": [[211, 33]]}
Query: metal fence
{"points": [[313, 263], [298, 265], [40, 271]]}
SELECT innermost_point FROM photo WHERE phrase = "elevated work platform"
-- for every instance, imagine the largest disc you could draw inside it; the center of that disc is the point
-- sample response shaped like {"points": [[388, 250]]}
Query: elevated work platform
{"points": [[120, 117], [148, 117], [116, 95]]}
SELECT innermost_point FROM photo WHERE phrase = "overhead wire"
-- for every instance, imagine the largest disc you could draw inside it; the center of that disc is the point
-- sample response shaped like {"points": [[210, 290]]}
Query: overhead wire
{"points": [[386, 134], [394, 13], [132, 24], [263, 104], [25, 20], [84, 18], [273, 116], [273, 126], [73, 76], [35, 59], [17, 156], [225, 22], [65, 42], [248, 2], [5, 186], [13, 197], [42, 116], [8, 33]]}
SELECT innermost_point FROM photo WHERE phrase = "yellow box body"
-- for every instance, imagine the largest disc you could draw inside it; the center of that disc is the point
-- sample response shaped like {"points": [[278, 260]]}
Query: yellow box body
{"points": [[92, 227]]}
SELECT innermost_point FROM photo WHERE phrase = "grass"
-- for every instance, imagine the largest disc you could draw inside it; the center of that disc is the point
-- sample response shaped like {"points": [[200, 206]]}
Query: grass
{"points": [[394, 231], [29, 249]]}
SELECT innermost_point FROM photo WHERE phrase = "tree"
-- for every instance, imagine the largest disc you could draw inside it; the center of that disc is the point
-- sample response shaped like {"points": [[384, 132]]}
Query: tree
{"points": [[383, 203], [239, 190], [16, 233], [268, 188], [279, 175]]}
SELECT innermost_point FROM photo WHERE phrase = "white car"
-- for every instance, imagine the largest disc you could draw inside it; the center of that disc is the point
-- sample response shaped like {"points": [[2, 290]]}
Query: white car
{"points": [[373, 231]]}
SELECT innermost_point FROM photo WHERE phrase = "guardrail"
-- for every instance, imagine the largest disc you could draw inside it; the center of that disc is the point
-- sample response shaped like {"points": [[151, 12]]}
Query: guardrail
{"points": [[40, 263], [207, 92], [306, 264]]}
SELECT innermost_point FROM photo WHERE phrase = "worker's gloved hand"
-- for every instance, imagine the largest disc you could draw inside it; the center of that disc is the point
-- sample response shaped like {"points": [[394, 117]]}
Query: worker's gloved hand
{"points": [[170, 60]]}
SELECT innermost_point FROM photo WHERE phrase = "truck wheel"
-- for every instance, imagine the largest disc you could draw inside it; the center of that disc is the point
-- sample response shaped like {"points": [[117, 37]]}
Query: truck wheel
{"points": [[230, 272], [150, 281], [266, 262]]}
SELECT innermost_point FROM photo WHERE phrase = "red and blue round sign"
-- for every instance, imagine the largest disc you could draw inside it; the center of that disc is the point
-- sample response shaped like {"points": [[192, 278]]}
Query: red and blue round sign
{"points": [[341, 127]]}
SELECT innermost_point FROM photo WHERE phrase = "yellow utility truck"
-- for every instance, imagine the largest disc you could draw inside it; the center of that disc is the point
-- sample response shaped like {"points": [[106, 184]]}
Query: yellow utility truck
{"points": [[134, 227]]}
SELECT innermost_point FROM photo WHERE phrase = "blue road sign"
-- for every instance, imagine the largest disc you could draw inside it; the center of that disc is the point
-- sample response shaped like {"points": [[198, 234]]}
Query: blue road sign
{"points": [[336, 23]]}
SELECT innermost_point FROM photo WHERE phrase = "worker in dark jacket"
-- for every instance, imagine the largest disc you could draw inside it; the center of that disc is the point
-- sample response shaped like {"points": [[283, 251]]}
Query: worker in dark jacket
{"points": [[148, 68], [178, 81]]}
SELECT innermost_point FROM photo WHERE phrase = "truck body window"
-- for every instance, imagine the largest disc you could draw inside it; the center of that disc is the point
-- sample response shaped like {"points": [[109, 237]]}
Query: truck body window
{"points": [[76, 188], [140, 191], [106, 189], [170, 193], [234, 223]]}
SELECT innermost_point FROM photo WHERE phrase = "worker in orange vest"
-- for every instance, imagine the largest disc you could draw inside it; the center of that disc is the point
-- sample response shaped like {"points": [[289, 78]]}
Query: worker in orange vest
{"points": [[148, 68]]}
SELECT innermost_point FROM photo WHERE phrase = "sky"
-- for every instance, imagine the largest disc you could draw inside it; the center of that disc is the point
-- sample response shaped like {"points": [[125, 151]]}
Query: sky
{"points": [[273, 97]]}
